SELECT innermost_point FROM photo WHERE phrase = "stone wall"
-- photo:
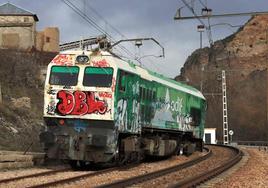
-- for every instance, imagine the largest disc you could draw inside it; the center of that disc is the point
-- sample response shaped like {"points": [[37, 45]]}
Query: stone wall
{"points": [[48, 40], [22, 89], [17, 32]]}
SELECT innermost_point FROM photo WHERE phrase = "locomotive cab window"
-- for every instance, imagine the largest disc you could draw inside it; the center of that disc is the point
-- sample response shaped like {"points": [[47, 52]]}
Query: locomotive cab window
{"points": [[65, 76], [196, 115], [124, 78], [98, 76]]}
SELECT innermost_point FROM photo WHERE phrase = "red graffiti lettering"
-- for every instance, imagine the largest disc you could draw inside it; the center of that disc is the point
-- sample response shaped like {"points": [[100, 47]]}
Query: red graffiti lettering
{"points": [[101, 63], [96, 105], [80, 107], [80, 103], [105, 95], [63, 59], [66, 103]]}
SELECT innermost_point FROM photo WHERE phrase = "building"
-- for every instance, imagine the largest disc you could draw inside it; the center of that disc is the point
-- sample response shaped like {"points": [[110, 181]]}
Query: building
{"points": [[210, 136], [18, 31]]}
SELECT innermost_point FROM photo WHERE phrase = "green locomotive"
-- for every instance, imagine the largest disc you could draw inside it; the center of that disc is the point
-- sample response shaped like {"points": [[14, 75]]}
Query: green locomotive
{"points": [[101, 109]]}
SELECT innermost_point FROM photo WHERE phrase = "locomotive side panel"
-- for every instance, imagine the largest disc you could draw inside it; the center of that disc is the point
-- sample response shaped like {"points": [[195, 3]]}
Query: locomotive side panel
{"points": [[164, 119], [127, 103], [143, 103]]}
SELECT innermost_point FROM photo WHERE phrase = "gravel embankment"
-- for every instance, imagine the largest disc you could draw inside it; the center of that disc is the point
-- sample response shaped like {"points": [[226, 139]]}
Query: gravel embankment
{"points": [[220, 155], [89, 182], [127, 173], [253, 173]]}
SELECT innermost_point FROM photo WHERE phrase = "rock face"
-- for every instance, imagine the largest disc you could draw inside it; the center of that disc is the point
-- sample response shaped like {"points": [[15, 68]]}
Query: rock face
{"points": [[244, 57], [21, 109], [23, 102]]}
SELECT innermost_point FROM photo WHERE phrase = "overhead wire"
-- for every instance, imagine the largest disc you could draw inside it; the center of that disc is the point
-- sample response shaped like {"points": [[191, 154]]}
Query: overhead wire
{"points": [[94, 24], [106, 22], [203, 4], [112, 27], [118, 32], [208, 29]]}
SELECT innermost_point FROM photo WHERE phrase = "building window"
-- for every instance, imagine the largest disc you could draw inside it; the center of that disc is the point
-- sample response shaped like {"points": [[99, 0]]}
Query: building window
{"points": [[47, 39]]}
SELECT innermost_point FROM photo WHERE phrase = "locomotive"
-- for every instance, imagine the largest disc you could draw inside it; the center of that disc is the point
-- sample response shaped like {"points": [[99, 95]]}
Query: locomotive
{"points": [[102, 109]]}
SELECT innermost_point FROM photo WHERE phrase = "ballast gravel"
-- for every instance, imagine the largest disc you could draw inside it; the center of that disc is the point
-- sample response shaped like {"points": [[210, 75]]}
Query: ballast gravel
{"points": [[253, 174]]}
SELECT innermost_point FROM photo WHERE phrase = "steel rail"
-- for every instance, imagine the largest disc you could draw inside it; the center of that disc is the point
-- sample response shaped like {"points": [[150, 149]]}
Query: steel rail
{"points": [[201, 178], [76, 178], [7, 180], [156, 174]]}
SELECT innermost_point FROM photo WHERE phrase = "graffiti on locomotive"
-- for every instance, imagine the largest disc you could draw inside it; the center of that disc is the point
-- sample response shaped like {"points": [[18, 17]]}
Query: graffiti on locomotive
{"points": [[80, 103]]}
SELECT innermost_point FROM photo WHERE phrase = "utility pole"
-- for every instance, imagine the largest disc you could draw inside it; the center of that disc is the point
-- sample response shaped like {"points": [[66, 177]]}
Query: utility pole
{"points": [[207, 14], [224, 111], [200, 29]]}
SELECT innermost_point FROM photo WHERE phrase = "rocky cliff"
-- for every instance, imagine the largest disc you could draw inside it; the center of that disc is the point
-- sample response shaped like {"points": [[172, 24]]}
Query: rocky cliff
{"points": [[244, 57], [21, 98]]}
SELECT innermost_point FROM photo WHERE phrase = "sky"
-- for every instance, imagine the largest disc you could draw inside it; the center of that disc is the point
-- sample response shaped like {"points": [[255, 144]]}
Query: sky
{"points": [[123, 19]]}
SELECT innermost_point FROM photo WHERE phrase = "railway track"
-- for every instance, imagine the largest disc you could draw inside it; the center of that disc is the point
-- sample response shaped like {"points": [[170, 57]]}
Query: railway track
{"points": [[186, 182], [198, 179], [107, 180], [7, 180], [59, 181], [156, 174], [133, 180], [74, 178]]}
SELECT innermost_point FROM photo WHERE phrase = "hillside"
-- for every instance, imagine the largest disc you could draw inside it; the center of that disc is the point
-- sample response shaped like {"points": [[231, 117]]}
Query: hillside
{"points": [[244, 57], [22, 98]]}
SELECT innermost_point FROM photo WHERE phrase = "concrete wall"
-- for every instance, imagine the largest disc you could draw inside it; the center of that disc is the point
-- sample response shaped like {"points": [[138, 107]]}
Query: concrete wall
{"points": [[17, 32]]}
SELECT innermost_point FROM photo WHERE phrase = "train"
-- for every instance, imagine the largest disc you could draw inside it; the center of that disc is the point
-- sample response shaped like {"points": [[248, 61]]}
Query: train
{"points": [[102, 109]]}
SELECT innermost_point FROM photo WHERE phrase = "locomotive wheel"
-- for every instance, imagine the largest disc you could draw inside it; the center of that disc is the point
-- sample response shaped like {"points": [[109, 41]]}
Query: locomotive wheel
{"points": [[77, 165]]}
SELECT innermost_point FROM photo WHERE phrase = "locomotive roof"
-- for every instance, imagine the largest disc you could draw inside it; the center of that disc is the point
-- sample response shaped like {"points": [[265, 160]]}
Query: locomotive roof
{"points": [[144, 73]]}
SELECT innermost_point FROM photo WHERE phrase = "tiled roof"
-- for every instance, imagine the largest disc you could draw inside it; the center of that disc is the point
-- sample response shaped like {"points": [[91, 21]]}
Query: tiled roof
{"points": [[10, 9]]}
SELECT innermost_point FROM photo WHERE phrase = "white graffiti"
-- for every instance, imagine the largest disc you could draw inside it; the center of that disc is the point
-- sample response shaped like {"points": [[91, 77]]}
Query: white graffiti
{"points": [[135, 125], [128, 121], [121, 119], [171, 111], [136, 88], [174, 106], [185, 122]]}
